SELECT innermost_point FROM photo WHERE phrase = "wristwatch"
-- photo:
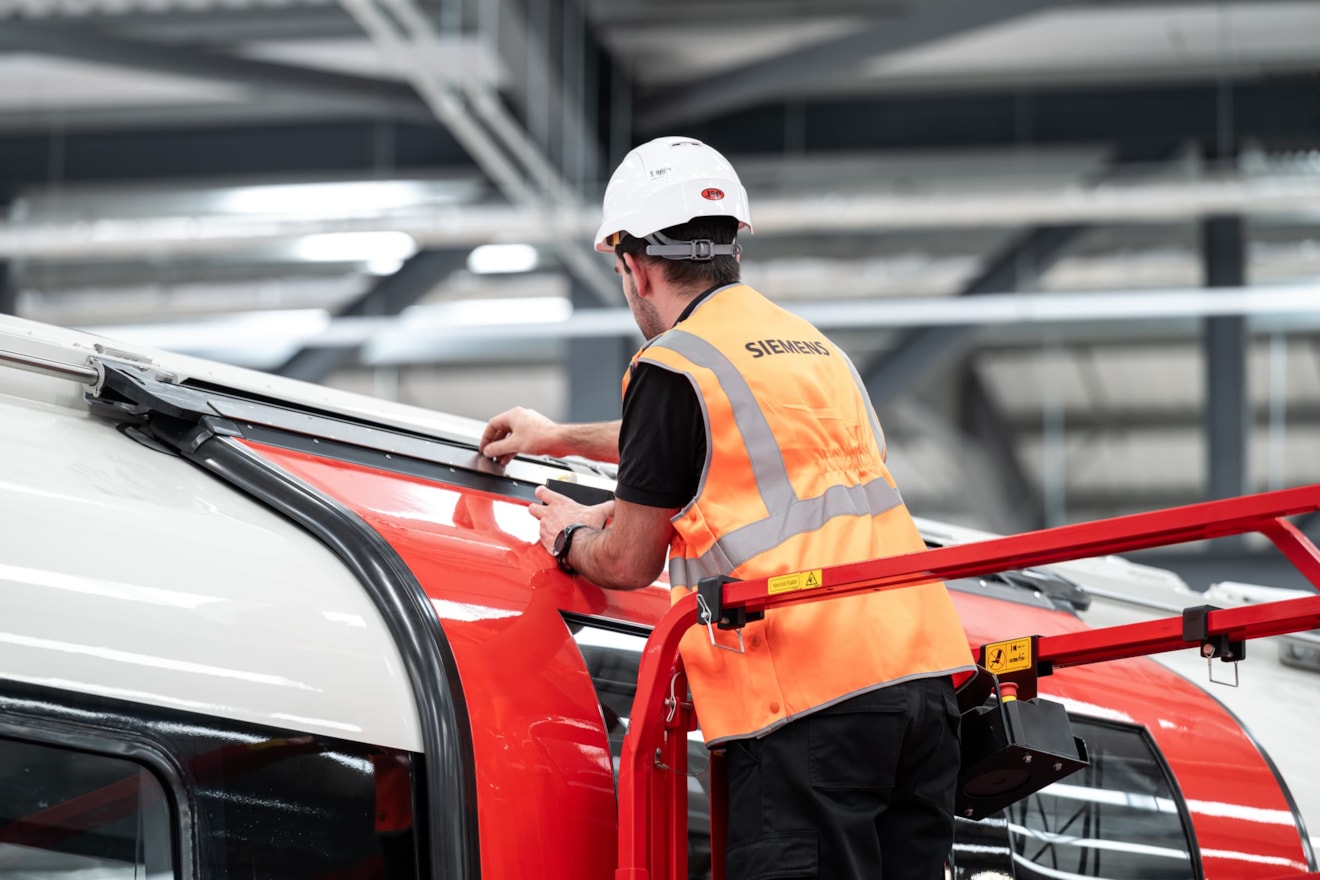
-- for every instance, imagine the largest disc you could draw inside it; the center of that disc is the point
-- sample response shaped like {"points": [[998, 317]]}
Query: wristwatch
{"points": [[564, 543]]}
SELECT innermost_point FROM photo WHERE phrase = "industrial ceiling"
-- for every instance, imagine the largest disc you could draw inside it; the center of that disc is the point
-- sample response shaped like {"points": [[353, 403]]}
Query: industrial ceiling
{"points": [[1074, 248]]}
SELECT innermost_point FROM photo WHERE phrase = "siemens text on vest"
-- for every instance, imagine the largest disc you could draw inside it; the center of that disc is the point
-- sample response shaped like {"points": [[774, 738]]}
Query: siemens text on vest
{"points": [[762, 347]]}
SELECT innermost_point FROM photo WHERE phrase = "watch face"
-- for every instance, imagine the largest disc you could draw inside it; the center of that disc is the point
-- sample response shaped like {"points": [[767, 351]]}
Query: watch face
{"points": [[563, 541]]}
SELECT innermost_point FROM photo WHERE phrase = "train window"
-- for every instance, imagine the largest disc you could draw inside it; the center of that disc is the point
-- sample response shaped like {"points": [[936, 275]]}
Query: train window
{"points": [[238, 801], [1119, 817], [612, 659], [66, 814], [302, 807]]}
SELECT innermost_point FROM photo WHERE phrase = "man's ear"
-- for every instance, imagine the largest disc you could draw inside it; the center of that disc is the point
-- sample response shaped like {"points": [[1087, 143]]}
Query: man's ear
{"points": [[641, 273]]}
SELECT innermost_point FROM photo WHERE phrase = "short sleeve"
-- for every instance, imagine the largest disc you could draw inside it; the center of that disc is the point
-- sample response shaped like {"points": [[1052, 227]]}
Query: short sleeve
{"points": [[662, 439]]}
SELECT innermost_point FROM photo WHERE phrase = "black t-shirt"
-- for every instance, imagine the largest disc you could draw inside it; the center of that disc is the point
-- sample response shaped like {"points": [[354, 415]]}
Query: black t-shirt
{"points": [[662, 440]]}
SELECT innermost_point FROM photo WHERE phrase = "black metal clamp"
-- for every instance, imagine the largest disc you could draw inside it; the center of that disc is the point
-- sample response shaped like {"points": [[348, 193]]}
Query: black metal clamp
{"points": [[710, 598], [712, 613], [1196, 628]]}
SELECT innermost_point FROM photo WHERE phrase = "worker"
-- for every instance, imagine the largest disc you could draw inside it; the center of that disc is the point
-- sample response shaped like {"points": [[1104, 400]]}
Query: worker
{"points": [[748, 447]]}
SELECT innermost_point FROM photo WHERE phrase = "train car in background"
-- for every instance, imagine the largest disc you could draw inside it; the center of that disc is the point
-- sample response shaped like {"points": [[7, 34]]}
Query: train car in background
{"points": [[252, 628], [1269, 694]]}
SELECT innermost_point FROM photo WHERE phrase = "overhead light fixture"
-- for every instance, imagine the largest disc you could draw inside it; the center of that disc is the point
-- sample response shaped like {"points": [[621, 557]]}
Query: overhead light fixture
{"points": [[384, 266], [383, 252], [343, 197], [492, 259], [489, 311]]}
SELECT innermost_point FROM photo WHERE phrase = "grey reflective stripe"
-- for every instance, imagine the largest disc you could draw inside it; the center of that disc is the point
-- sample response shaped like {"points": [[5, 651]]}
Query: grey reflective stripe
{"points": [[808, 515], [789, 515], [762, 450], [689, 572], [866, 396]]}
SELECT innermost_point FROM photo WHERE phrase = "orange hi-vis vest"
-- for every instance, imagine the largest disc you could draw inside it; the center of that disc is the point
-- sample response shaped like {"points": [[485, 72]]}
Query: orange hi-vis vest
{"points": [[794, 481]]}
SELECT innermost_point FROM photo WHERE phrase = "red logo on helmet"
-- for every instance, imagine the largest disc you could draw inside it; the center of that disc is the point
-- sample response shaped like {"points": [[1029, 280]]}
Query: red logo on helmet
{"points": [[712, 193]]}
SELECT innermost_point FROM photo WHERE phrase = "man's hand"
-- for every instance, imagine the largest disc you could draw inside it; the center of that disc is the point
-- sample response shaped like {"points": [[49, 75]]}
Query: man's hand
{"points": [[527, 431], [518, 430], [628, 555], [560, 510]]}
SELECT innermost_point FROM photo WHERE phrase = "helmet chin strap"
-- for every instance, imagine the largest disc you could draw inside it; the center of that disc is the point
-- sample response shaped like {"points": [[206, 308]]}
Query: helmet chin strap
{"points": [[701, 249]]}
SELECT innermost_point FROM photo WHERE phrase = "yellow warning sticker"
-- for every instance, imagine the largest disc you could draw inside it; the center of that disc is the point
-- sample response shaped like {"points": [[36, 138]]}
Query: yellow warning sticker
{"points": [[798, 580], [1008, 656]]}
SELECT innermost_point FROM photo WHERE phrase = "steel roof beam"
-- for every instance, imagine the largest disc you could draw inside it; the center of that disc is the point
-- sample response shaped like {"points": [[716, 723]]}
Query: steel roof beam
{"points": [[561, 79], [1069, 315], [8, 292], [301, 150], [135, 235], [981, 418], [640, 13], [1225, 344], [388, 297], [1070, 312], [1129, 420], [923, 350], [825, 62], [475, 113], [1278, 111], [1035, 251], [381, 99], [269, 109]]}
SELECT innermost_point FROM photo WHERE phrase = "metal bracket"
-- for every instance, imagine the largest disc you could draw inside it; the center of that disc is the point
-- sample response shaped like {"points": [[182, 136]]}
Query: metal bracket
{"points": [[1196, 628], [680, 719], [712, 613], [673, 703], [106, 356]]}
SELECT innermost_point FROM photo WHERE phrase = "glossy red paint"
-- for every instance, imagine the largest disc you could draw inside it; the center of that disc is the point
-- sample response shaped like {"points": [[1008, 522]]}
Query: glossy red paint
{"points": [[546, 801], [545, 782]]}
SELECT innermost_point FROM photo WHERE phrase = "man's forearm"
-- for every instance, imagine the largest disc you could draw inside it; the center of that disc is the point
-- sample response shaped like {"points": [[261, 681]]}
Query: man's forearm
{"points": [[600, 557], [595, 440], [627, 555]]}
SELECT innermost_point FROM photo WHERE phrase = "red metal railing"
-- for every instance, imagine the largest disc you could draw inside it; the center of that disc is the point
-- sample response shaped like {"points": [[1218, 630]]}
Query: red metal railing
{"points": [[652, 787]]}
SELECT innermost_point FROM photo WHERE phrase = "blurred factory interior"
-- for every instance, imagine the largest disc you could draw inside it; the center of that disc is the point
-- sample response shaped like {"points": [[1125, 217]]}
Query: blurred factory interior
{"points": [[1073, 248]]}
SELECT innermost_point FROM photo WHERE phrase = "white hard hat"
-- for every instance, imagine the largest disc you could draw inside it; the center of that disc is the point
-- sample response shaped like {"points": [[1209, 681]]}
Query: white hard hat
{"points": [[669, 181]]}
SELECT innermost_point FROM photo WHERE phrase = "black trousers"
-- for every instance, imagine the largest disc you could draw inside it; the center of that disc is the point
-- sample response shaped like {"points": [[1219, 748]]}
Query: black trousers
{"points": [[862, 790]]}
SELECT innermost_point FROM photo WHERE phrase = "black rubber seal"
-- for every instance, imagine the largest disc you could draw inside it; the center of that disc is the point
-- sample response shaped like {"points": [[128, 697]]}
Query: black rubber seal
{"points": [[448, 763]]}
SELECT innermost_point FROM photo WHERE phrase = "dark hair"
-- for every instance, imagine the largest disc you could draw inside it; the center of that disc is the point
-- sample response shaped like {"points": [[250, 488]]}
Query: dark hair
{"points": [[692, 273]]}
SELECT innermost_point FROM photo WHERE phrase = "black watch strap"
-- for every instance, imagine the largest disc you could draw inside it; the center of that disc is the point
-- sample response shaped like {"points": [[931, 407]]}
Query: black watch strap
{"points": [[563, 544]]}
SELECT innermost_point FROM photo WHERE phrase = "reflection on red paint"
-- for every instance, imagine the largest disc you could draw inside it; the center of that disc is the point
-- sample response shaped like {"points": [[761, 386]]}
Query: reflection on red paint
{"points": [[545, 781], [546, 804]]}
